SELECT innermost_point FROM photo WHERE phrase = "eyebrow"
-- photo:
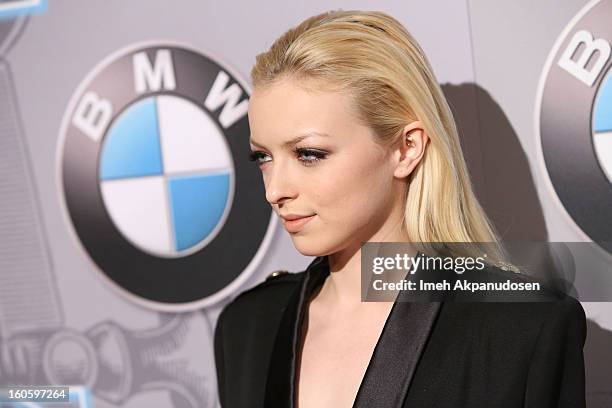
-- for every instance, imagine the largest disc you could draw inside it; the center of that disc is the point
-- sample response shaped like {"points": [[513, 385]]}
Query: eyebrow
{"points": [[295, 140]]}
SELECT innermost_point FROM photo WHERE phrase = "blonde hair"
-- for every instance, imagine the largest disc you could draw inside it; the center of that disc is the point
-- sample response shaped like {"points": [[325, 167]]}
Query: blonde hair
{"points": [[373, 57]]}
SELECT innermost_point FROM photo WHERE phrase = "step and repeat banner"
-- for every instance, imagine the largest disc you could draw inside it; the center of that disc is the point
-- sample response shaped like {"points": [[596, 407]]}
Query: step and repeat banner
{"points": [[130, 215]]}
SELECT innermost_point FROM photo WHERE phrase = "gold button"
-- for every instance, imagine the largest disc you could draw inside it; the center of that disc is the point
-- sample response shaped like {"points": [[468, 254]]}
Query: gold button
{"points": [[277, 273]]}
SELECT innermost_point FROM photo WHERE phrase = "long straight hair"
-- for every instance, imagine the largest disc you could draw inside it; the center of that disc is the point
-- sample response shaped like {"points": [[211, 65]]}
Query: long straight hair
{"points": [[370, 55]]}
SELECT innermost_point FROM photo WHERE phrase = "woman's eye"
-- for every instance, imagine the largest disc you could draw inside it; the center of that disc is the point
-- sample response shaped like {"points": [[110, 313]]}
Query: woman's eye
{"points": [[309, 156], [256, 156]]}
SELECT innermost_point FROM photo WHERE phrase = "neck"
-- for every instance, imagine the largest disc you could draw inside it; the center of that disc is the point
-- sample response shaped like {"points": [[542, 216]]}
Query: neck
{"points": [[342, 288]]}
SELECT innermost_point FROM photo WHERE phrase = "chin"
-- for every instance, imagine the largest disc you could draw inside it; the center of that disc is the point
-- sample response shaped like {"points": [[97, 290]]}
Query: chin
{"points": [[315, 245], [309, 246]]}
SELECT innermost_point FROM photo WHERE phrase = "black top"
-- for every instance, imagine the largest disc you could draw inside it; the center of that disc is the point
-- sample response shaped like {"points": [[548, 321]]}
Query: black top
{"points": [[429, 354]]}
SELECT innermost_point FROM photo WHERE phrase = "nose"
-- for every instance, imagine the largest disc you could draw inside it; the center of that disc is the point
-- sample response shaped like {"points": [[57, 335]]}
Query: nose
{"points": [[279, 185]]}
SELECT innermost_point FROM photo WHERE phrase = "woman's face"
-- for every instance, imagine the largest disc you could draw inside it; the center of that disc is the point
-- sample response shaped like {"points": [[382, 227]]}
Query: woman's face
{"points": [[317, 159]]}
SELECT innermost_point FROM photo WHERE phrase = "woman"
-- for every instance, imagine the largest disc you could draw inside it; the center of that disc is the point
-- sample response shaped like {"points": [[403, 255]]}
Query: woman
{"points": [[356, 143]]}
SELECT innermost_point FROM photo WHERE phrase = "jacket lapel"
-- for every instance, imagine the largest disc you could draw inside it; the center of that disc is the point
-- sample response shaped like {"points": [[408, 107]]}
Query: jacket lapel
{"points": [[394, 360]]}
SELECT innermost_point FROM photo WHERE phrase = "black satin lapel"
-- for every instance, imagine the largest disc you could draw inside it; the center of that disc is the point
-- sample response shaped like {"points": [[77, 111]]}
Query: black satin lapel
{"points": [[280, 384], [396, 355]]}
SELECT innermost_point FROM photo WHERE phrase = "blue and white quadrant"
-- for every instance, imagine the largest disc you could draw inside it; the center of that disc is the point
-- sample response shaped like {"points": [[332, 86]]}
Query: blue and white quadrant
{"points": [[602, 125], [166, 176]]}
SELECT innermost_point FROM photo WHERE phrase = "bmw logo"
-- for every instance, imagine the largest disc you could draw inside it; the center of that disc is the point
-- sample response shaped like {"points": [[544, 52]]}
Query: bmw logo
{"points": [[574, 120], [155, 179]]}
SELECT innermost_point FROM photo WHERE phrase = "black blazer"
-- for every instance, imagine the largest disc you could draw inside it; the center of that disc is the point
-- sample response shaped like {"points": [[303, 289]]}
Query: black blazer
{"points": [[429, 354]]}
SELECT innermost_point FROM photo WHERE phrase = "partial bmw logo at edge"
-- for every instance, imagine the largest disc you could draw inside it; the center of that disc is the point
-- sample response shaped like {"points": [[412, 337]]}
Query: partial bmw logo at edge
{"points": [[153, 170], [574, 120]]}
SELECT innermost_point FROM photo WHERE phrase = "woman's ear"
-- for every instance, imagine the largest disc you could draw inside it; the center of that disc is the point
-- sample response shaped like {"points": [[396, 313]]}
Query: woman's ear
{"points": [[411, 148]]}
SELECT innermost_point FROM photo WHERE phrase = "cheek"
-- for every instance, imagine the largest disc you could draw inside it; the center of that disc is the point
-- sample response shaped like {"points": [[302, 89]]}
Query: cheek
{"points": [[353, 191]]}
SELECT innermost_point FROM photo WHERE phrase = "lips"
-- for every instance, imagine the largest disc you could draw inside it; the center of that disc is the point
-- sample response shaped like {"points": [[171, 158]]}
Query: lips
{"points": [[296, 224]]}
